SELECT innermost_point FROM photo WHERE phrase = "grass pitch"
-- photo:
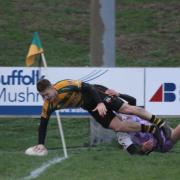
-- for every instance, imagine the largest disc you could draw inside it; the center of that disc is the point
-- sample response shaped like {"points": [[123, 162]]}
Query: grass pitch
{"points": [[104, 162]]}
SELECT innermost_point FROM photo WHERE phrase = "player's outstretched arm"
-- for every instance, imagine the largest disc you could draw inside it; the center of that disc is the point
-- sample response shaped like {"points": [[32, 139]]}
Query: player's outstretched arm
{"points": [[40, 149], [131, 100], [136, 150], [42, 130]]}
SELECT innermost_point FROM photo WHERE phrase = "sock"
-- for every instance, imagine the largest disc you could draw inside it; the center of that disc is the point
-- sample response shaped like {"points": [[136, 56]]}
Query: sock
{"points": [[159, 122], [148, 128]]}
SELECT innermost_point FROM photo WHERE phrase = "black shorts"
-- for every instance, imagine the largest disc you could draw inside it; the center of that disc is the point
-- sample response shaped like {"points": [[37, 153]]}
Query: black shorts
{"points": [[112, 104], [104, 121]]}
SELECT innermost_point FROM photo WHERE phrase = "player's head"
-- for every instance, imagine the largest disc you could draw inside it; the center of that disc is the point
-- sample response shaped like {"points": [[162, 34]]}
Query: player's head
{"points": [[46, 89]]}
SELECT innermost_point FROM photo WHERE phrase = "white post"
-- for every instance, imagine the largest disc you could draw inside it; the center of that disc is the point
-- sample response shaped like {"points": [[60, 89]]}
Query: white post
{"points": [[43, 60], [61, 134], [102, 51]]}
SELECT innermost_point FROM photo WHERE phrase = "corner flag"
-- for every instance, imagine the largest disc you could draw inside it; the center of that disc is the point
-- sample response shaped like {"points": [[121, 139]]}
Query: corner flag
{"points": [[34, 49]]}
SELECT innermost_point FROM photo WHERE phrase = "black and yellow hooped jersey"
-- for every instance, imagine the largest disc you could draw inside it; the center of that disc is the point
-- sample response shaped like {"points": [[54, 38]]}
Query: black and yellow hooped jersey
{"points": [[69, 96]]}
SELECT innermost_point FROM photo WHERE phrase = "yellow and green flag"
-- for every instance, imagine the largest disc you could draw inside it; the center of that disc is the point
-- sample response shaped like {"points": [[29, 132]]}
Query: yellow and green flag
{"points": [[34, 49]]}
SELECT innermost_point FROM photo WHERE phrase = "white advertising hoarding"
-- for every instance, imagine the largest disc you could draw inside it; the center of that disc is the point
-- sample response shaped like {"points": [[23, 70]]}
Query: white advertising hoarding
{"points": [[18, 95], [162, 89]]}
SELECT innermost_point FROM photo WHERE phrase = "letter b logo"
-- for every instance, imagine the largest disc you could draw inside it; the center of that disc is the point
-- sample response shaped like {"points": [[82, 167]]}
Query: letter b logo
{"points": [[165, 93]]}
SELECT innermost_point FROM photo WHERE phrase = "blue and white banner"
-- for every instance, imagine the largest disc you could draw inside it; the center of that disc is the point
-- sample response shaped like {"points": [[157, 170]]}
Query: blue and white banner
{"points": [[18, 94], [18, 86]]}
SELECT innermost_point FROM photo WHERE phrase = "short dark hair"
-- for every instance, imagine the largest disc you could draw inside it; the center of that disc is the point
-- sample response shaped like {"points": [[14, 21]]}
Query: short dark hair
{"points": [[43, 84]]}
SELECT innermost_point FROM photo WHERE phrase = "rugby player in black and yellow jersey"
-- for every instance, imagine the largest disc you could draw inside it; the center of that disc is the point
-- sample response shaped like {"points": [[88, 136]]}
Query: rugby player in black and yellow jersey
{"points": [[97, 101]]}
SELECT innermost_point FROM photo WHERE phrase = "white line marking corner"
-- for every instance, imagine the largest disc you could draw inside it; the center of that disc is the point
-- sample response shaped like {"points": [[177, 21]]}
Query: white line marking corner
{"points": [[37, 172]]}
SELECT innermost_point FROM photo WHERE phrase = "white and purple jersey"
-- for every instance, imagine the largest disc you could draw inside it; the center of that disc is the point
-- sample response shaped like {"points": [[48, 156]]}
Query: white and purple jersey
{"points": [[126, 139]]}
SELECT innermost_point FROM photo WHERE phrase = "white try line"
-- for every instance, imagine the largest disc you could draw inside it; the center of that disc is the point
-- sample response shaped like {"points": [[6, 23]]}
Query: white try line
{"points": [[37, 172]]}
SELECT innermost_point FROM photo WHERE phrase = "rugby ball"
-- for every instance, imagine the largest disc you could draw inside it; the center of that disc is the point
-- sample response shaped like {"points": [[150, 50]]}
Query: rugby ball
{"points": [[32, 152]]}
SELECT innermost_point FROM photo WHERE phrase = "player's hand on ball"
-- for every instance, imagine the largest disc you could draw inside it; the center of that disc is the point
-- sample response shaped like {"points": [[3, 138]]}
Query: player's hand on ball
{"points": [[38, 150]]}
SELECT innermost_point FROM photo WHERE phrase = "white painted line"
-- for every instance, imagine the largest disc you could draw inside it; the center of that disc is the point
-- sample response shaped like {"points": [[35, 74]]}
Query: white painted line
{"points": [[37, 172]]}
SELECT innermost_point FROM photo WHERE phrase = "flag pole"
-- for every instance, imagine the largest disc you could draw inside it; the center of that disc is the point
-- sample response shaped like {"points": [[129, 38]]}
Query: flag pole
{"points": [[57, 114], [43, 60]]}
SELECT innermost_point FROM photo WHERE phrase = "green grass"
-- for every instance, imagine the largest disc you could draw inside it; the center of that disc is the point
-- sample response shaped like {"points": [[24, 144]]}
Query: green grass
{"points": [[114, 164], [63, 28], [105, 161], [147, 32], [18, 134]]}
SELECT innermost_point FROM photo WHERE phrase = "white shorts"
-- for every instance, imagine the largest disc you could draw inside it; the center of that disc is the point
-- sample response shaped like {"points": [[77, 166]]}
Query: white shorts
{"points": [[124, 139]]}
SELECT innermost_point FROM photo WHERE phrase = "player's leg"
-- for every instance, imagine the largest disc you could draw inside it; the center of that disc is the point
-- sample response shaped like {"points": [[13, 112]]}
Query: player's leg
{"points": [[110, 120], [118, 105], [175, 136], [130, 126], [163, 125], [135, 110], [124, 126], [142, 113]]}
